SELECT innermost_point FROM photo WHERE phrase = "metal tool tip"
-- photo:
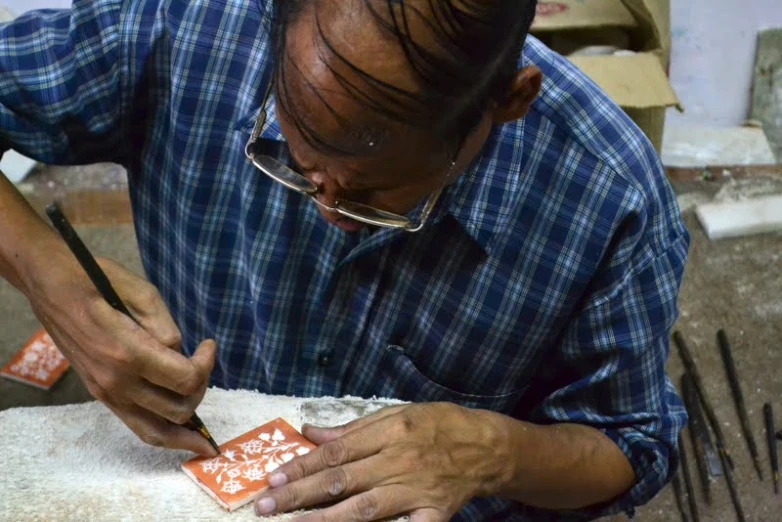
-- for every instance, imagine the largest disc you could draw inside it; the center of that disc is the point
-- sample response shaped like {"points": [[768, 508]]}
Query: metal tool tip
{"points": [[208, 436]]}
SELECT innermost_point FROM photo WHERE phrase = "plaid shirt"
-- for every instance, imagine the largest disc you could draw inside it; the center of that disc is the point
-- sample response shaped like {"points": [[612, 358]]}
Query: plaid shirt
{"points": [[544, 287]]}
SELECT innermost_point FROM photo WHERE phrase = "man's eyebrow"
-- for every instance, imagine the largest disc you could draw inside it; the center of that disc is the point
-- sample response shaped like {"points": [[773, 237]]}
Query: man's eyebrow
{"points": [[358, 185], [361, 186]]}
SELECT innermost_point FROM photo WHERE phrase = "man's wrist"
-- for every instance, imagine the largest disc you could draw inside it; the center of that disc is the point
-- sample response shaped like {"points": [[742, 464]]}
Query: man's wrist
{"points": [[510, 438], [555, 467], [27, 245]]}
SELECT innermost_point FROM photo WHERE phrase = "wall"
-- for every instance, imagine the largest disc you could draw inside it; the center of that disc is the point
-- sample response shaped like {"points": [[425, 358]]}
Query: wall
{"points": [[714, 54]]}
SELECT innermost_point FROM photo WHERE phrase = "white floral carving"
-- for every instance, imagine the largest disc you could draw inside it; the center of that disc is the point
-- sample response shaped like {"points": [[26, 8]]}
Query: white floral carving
{"points": [[252, 447], [254, 473], [211, 465], [232, 486], [252, 461], [287, 457], [271, 466], [41, 358]]}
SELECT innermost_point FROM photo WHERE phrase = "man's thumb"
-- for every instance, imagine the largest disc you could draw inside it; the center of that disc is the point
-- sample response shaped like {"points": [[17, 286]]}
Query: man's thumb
{"points": [[204, 356]]}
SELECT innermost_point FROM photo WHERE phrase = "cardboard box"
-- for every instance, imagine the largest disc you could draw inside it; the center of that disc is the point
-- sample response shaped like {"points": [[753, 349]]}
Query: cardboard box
{"points": [[631, 40], [577, 14]]}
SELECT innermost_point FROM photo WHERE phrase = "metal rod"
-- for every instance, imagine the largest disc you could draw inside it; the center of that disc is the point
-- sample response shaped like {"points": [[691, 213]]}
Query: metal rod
{"points": [[688, 481], [689, 364], [698, 432], [768, 414], [679, 496], [727, 463], [699, 427], [734, 494], [738, 398]]}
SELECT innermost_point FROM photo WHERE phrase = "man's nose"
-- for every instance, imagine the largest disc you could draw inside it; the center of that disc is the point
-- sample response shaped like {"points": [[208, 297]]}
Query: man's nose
{"points": [[329, 191]]}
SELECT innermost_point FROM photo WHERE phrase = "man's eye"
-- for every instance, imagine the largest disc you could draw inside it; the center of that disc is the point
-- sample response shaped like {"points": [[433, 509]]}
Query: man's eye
{"points": [[360, 195], [294, 165]]}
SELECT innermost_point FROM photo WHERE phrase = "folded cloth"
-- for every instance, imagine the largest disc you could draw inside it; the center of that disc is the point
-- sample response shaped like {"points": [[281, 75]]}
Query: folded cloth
{"points": [[80, 463]]}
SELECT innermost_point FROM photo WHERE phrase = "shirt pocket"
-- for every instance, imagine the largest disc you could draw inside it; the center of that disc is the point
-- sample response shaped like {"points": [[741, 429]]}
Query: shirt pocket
{"points": [[404, 380]]}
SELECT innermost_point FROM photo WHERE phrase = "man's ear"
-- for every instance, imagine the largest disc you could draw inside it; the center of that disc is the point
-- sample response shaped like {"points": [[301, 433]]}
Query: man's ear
{"points": [[523, 90]]}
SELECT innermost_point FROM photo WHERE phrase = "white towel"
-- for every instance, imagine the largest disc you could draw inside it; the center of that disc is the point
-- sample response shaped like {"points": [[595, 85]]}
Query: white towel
{"points": [[79, 463]]}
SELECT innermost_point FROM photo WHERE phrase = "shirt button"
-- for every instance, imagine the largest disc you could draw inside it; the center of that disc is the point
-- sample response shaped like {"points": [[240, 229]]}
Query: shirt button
{"points": [[324, 359]]}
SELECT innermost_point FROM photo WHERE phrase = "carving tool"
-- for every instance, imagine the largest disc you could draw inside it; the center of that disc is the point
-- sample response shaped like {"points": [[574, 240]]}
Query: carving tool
{"points": [[679, 495], [734, 495], [101, 282], [727, 463], [689, 364], [685, 467], [699, 428], [768, 414], [705, 456], [738, 399]]}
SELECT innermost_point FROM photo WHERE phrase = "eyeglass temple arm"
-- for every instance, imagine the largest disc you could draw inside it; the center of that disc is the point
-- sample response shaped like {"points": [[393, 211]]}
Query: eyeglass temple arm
{"points": [[256, 132], [259, 122]]}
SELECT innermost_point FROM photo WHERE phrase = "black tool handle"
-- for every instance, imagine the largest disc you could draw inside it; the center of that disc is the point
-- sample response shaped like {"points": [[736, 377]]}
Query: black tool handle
{"points": [[738, 397], [768, 415], [85, 259]]}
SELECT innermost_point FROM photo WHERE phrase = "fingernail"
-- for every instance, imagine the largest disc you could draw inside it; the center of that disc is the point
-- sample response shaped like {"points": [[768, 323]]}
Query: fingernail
{"points": [[265, 506], [277, 479], [310, 427]]}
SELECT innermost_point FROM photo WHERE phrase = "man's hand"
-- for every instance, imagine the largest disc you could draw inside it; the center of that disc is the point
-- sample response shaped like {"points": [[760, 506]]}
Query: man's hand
{"points": [[137, 371], [424, 460]]}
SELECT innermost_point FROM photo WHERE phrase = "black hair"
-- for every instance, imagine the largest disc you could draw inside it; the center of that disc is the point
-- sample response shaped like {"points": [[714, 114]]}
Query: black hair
{"points": [[469, 60]]}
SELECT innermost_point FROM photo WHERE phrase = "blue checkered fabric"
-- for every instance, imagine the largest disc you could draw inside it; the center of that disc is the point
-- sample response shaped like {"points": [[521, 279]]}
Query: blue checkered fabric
{"points": [[544, 288]]}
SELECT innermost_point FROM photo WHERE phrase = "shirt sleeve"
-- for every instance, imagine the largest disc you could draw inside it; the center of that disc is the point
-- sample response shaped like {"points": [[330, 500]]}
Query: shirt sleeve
{"points": [[60, 84], [609, 373]]}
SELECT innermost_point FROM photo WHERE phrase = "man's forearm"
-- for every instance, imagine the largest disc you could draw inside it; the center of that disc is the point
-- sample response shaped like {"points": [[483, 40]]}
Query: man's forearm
{"points": [[562, 466], [23, 236]]}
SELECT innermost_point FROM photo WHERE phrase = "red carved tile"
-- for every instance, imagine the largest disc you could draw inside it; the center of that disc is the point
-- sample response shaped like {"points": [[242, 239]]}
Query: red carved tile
{"points": [[238, 475], [39, 363]]}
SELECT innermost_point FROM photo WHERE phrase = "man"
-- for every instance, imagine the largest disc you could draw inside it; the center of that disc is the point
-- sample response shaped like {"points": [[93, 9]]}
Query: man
{"points": [[418, 209]]}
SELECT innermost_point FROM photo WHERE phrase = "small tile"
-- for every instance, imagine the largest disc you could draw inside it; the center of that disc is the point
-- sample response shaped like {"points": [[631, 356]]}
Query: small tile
{"points": [[39, 363], [238, 476]]}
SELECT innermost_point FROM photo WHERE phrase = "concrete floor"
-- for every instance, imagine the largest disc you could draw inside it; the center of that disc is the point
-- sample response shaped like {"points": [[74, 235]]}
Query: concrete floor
{"points": [[732, 284]]}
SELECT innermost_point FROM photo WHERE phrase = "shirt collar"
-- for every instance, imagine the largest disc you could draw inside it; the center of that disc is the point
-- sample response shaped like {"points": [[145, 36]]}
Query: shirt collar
{"points": [[485, 196], [482, 199], [271, 129]]}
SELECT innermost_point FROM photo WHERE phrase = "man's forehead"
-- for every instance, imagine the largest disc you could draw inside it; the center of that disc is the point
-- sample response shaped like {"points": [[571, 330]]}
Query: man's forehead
{"points": [[331, 69], [361, 37]]}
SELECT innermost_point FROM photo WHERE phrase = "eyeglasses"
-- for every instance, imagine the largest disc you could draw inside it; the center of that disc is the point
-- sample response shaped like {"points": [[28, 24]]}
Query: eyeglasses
{"points": [[356, 211]]}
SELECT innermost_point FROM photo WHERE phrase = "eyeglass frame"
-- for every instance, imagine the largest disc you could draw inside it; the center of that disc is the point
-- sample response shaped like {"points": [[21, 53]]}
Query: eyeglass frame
{"points": [[385, 219]]}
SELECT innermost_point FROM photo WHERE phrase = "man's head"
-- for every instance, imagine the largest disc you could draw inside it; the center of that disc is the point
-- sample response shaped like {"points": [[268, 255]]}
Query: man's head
{"points": [[379, 98]]}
